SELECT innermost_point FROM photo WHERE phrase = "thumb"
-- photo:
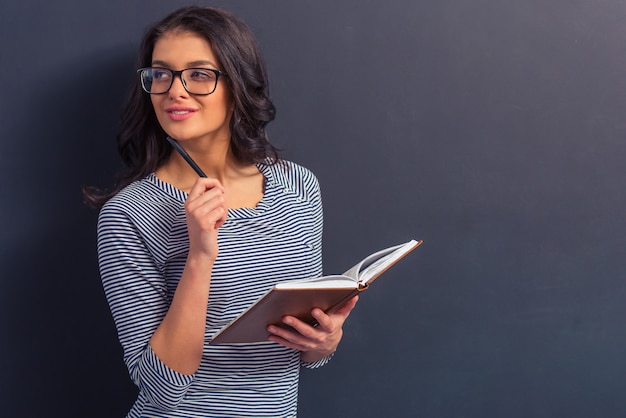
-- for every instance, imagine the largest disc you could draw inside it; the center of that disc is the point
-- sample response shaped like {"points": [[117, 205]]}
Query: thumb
{"points": [[347, 307]]}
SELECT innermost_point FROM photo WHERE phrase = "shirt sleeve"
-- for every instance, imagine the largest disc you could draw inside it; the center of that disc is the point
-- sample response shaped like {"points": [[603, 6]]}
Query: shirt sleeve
{"points": [[136, 292], [315, 201], [319, 363]]}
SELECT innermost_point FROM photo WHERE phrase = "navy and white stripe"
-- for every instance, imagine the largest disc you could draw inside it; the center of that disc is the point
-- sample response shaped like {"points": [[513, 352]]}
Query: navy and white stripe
{"points": [[142, 249]]}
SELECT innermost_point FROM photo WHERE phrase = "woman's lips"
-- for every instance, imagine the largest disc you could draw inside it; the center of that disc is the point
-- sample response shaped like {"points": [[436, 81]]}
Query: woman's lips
{"points": [[178, 114]]}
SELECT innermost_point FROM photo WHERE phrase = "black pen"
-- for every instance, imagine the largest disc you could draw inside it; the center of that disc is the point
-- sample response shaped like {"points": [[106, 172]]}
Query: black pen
{"points": [[186, 156]]}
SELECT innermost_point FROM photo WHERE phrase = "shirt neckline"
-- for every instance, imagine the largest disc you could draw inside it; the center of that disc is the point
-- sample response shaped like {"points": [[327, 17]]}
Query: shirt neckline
{"points": [[237, 213]]}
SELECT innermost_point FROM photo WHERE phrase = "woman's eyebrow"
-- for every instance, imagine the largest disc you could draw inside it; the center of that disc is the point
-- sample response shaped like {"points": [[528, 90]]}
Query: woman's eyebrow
{"points": [[189, 64]]}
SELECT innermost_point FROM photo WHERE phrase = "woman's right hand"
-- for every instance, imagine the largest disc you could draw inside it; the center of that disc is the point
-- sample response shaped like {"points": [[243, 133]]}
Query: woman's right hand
{"points": [[206, 211]]}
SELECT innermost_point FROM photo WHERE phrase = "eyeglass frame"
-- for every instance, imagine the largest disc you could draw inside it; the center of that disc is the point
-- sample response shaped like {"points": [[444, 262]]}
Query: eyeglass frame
{"points": [[179, 74]]}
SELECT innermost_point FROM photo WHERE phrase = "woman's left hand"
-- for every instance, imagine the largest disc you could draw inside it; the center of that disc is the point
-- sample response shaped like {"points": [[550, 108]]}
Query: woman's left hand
{"points": [[315, 342]]}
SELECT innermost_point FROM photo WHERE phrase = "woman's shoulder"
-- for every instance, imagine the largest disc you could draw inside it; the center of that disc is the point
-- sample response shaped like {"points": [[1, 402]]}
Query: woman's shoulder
{"points": [[292, 178], [142, 195], [291, 173]]}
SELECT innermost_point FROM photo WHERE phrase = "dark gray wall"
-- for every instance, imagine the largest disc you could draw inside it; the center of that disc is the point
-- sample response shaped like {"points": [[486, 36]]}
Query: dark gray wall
{"points": [[492, 129]]}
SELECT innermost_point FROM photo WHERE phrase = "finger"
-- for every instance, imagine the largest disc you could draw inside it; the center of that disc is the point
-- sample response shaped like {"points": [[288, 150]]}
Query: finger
{"points": [[222, 218], [203, 191], [286, 343], [347, 307], [203, 195], [203, 184], [286, 337], [217, 216], [302, 328], [209, 215], [337, 318], [202, 203], [322, 319]]}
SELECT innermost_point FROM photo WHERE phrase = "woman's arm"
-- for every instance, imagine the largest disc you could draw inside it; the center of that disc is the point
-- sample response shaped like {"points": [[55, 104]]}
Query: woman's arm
{"points": [[179, 339]]}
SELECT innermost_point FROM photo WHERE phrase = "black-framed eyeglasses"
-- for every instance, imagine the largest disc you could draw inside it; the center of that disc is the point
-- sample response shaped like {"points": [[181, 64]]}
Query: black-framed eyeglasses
{"points": [[200, 81]]}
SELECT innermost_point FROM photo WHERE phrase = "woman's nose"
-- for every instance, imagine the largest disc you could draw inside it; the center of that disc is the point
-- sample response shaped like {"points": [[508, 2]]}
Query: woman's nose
{"points": [[177, 89]]}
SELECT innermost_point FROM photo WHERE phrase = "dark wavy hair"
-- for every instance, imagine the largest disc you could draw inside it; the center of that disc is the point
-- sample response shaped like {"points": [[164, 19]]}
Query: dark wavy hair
{"points": [[141, 141]]}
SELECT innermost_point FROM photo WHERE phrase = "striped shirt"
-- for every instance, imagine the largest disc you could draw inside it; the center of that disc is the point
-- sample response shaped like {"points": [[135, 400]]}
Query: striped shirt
{"points": [[142, 249]]}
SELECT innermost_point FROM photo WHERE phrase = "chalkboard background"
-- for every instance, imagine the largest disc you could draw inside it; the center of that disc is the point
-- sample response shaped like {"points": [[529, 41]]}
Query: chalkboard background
{"points": [[491, 129]]}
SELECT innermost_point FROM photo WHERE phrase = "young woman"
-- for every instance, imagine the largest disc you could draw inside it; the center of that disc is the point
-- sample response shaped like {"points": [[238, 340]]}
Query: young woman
{"points": [[180, 256]]}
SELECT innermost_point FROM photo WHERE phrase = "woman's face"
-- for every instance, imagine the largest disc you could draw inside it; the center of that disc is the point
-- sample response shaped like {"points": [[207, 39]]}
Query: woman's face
{"points": [[182, 115]]}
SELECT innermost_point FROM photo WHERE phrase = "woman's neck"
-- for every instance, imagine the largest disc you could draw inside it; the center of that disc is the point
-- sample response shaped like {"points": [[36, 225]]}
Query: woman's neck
{"points": [[214, 157], [216, 160]]}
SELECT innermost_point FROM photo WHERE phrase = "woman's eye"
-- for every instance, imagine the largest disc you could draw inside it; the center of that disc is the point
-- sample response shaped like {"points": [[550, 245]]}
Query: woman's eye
{"points": [[200, 75], [161, 75]]}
